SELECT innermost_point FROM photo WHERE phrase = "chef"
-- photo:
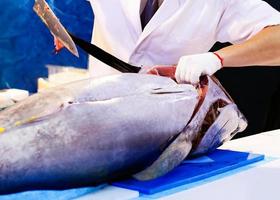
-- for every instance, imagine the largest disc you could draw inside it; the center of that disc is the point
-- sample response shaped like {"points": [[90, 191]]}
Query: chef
{"points": [[181, 32]]}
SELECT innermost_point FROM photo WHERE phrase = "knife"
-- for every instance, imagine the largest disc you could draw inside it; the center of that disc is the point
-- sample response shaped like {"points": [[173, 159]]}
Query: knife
{"points": [[48, 17], [69, 40], [104, 56], [44, 11]]}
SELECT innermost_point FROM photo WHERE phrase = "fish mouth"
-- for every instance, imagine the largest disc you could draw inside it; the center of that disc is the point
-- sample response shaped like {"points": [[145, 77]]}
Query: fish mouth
{"points": [[211, 116], [212, 103]]}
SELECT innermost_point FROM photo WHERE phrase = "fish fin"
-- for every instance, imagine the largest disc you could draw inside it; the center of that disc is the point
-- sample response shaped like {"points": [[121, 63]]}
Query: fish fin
{"points": [[40, 117], [172, 156], [32, 119]]}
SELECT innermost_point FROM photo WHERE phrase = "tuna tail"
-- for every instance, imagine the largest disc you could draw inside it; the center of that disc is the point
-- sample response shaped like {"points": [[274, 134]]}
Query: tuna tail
{"points": [[173, 155]]}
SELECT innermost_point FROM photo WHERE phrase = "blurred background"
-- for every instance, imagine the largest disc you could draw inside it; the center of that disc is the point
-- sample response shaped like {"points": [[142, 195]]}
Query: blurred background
{"points": [[26, 47]]}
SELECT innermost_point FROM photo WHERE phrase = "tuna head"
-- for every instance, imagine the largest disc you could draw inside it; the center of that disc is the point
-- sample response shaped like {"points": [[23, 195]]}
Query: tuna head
{"points": [[91, 131], [216, 119]]}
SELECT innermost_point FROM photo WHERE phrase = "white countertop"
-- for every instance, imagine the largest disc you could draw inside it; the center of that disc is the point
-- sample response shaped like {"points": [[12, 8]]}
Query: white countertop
{"points": [[255, 182], [267, 143]]}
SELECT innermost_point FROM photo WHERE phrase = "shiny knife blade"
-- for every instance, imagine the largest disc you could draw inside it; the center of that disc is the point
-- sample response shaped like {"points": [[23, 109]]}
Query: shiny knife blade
{"points": [[56, 28]]}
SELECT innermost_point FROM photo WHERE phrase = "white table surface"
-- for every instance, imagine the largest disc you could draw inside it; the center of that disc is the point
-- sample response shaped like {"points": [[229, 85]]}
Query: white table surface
{"points": [[255, 182]]}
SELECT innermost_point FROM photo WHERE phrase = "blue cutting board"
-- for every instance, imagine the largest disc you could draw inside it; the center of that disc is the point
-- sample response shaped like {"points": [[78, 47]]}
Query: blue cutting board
{"points": [[190, 171]]}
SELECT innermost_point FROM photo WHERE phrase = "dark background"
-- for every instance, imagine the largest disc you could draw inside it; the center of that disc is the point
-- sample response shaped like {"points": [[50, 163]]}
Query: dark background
{"points": [[256, 91], [26, 47]]}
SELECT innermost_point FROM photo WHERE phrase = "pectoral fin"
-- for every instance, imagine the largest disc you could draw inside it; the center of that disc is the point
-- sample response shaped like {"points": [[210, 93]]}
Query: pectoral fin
{"points": [[173, 155]]}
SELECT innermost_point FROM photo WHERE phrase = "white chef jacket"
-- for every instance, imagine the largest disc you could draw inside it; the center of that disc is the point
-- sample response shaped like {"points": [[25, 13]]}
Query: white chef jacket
{"points": [[179, 27]]}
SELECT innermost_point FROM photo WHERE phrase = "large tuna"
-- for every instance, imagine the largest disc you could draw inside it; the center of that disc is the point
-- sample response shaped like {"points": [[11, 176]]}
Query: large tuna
{"points": [[93, 131]]}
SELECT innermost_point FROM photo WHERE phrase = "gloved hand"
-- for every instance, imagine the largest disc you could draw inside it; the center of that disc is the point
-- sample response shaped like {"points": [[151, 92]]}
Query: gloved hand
{"points": [[191, 67]]}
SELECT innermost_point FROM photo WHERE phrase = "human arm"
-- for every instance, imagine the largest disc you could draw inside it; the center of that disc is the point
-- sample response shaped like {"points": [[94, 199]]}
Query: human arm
{"points": [[261, 49], [252, 27]]}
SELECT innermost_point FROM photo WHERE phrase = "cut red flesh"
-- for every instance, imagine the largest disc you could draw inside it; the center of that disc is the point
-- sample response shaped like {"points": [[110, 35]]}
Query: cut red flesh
{"points": [[167, 71], [58, 45]]}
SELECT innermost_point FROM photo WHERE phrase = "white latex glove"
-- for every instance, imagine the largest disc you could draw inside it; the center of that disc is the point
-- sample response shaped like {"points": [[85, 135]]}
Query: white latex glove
{"points": [[191, 67]]}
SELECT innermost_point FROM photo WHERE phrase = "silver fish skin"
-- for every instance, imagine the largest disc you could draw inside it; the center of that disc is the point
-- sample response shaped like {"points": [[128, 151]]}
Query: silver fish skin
{"points": [[91, 131]]}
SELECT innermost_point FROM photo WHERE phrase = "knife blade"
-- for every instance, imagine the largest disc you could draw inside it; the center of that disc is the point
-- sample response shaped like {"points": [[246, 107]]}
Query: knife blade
{"points": [[44, 11]]}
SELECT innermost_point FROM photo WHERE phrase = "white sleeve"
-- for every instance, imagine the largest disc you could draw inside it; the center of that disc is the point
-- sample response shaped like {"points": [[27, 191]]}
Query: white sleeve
{"points": [[242, 19]]}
